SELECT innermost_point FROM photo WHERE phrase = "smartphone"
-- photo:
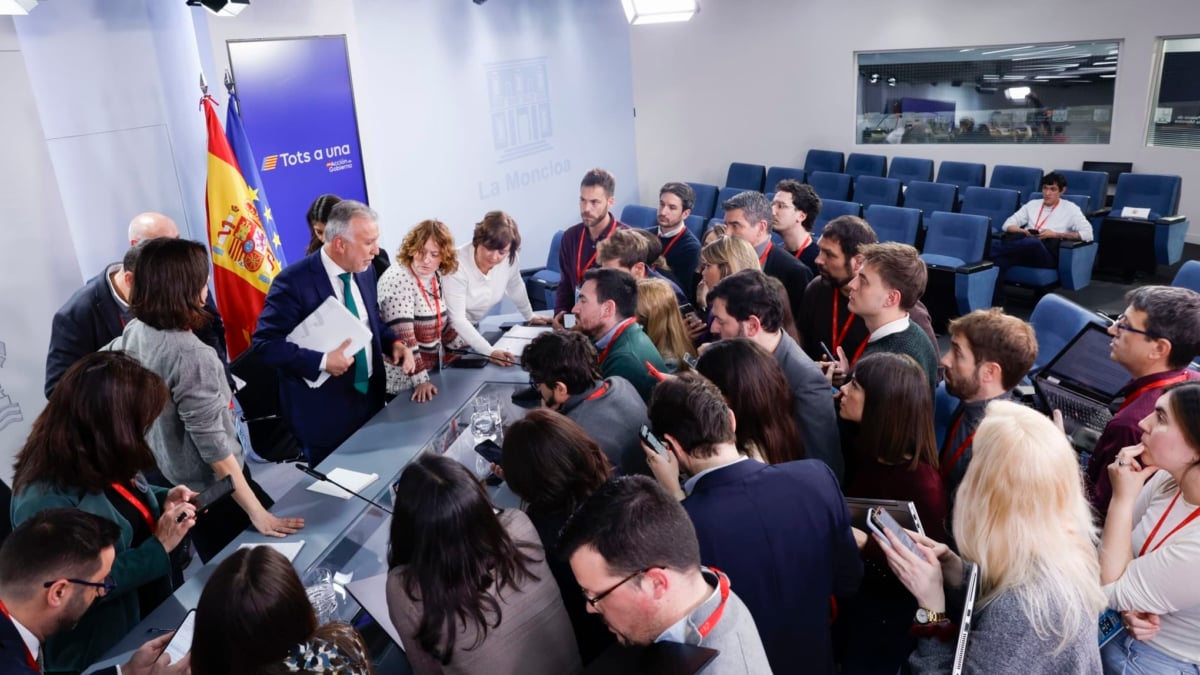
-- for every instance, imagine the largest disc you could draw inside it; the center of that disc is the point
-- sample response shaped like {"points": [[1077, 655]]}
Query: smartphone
{"points": [[568, 320], [879, 520], [828, 354], [652, 441], [690, 312], [490, 451], [181, 641], [213, 494]]}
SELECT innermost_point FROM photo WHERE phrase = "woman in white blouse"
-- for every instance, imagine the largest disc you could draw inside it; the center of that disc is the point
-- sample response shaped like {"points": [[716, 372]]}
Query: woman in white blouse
{"points": [[488, 269], [1150, 549]]}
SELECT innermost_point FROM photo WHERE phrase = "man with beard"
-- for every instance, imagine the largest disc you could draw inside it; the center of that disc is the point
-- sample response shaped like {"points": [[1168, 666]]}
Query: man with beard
{"points": [[634, 552], [989, 353], [580, 242], [825, 314], [606, 312], [562, 367], [680, 248], [52, 568]]}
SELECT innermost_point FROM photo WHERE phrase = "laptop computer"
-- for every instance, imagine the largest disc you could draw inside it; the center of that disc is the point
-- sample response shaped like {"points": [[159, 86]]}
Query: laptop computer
{"points": [[1082, 381], [971, 570]]}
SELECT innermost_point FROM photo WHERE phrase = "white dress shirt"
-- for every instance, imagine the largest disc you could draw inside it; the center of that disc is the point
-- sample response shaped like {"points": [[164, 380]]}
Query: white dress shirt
{"points": [[890, 328], [31, 642], [470, 295], [335, 271], [1064, 217]]}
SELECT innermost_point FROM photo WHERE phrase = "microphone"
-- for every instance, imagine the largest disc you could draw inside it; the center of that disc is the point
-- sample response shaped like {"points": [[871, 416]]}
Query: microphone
{"points": [[322, 477], [469, 352]]}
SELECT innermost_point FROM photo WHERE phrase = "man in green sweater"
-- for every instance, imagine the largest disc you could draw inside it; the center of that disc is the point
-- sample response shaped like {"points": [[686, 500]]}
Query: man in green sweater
{"points": [[890, 282], [606, 312]]}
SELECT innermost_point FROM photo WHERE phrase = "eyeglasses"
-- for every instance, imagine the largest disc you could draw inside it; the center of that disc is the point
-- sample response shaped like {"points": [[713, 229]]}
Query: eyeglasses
{"points": [[595, 602], [1121, 325], [105, 587]]}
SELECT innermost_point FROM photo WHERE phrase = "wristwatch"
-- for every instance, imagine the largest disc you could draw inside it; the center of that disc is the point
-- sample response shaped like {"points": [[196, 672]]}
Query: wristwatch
{"points": [[925, 617]]}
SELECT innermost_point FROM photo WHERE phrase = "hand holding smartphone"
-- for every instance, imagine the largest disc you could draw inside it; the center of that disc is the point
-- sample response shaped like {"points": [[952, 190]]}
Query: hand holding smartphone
{"points": [[211, 495], [652, 441], [879, 520], [181, 641]]}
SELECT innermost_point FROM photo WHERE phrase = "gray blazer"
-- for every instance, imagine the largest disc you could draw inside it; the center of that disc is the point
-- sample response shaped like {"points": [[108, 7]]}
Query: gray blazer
{"points": [[812, 405], [735, 635]]}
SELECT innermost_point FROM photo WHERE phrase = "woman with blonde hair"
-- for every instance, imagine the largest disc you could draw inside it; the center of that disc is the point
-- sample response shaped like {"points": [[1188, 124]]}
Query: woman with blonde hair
{"points": [[1021, 515], [658, 312], [1151, 544], [721, 258], [412, 304]]}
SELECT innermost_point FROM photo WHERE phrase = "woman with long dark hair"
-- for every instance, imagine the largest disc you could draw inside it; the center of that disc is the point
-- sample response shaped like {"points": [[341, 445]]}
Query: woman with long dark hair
{"points": [[87, 450], [888, 397], [469, 590], [553, 465], [318, 215], [195, 439], [254, 617], [755, 389]]}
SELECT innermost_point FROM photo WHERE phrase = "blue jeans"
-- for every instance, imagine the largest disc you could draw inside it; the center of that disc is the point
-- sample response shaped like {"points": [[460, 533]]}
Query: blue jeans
{"points": [[1125, 656]]}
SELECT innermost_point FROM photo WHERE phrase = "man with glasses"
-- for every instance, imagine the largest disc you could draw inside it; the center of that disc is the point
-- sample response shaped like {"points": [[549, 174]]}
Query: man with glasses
{"points": [[634, 552], [563, 368], [1156, 339], [52, 568], [794, 211]]}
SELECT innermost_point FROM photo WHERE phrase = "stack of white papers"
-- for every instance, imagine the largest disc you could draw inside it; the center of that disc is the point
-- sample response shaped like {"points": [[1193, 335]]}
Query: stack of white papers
{"points": [[328, 326], [517, 337], [354, 480], [290, 549]]}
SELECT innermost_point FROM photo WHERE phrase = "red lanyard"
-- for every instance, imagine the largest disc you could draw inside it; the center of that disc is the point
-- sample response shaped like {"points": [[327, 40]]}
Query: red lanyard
{"points": [[598, 393], [28, 654], [837, 336], [762, 259], [1194, 514], [1039, 222], [137, 504], [674, 239], [436, 305], [620, 329], [1152, 385], [947, 467], [579, 270], [712, 620], [805, 245]]}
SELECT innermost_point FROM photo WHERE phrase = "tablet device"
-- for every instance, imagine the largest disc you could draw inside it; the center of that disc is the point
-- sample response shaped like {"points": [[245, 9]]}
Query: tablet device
{"points": [[971, 571]]}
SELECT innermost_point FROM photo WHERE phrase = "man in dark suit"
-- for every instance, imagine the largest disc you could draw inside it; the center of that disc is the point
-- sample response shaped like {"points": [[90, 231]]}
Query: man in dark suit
{"points": [[325, 416], [52, 568], [780, 531], [748, 216]]}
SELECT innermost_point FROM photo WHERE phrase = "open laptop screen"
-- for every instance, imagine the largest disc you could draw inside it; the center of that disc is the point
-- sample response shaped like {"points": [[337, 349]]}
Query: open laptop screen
{"points": [[1085, 365]]}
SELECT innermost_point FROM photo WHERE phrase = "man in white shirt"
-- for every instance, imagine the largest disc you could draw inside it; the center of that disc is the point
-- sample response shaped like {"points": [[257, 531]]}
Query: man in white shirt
{"points": [[52, 568], [1033, 234]]}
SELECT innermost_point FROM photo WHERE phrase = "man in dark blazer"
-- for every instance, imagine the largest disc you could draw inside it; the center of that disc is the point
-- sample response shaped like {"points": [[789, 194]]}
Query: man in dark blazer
{"points": [[52, 568], [781, 532], [748, 216], [325, 416]]}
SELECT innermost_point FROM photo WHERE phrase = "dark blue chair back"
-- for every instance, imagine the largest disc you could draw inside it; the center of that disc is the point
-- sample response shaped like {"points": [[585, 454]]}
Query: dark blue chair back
{"points": [[695, 224], [962, 174], [894, 223], [1056, 321], [746, 176], [1094, 184], [706, 199], [832, 208], [870, 190], [1188, 276], [830, 185], [1158, 193], [778, 173], [908, 169], [959, 236], [824, 160], [724, 194], [862, 164], [1023, 179], [1084, 202], [929, 197], [995, 203], [636, 215]]}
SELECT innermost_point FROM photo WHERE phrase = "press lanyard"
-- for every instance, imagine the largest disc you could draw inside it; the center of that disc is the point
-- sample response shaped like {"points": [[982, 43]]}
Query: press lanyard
{"points": [[667, 248], [805, 245], [620, 329], [579, 270], [1039, 222], [598, 393], [28, 654], [137, 504], [762, 259], [436, 305], [947, 467], [1192, 516], [1152, 385], [712, 620], [837, 336]]}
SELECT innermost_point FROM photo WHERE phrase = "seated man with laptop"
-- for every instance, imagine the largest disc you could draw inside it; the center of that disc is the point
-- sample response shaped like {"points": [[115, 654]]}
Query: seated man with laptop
{"points": [[1155, 340]]}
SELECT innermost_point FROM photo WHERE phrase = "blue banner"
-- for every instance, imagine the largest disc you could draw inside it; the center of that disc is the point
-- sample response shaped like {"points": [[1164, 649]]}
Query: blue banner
{"points": [[297, 103]]}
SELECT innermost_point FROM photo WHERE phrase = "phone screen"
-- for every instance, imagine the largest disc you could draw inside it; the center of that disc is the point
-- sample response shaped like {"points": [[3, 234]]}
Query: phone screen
{"points": [[181, 642], [213, 493], [653, 441], [490, 451], [881, 519]]}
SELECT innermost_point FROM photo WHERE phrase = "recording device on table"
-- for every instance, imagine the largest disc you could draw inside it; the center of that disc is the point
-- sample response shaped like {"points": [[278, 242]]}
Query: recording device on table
{"points": [[879, 520], [211, 495], [181, 641], [1082, 381], [652, 441]]}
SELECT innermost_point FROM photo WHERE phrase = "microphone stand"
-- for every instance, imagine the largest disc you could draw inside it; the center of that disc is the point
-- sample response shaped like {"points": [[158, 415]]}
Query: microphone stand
{"points": [[322, 477]]}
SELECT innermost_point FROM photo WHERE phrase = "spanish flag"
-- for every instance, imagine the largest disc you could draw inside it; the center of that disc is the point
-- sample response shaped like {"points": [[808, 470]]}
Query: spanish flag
{"points": [[243, 253]]}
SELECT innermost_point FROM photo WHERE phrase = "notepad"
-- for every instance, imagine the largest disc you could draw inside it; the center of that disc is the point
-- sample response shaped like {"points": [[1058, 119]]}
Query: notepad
{"points": [[290, 549], [518, 337], [353, 480], [329, 325]]}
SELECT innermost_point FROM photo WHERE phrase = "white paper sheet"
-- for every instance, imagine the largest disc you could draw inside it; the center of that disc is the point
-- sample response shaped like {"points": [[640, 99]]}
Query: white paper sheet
{"points": [[517, 337], [371, 593], [328, 326], [354, 480], [290, 549]]}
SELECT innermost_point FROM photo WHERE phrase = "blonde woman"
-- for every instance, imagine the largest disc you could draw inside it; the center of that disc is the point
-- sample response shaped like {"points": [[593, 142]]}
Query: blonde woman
{"points": [[1021, 515], [658, 312], [723, 257]]}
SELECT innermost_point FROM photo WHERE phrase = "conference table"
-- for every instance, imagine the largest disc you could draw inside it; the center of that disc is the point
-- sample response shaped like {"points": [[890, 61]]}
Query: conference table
{"points": [[349, 537]]}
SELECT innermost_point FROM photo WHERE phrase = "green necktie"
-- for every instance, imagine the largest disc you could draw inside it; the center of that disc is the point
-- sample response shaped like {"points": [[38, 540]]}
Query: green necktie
{"points": [[361, 379]]}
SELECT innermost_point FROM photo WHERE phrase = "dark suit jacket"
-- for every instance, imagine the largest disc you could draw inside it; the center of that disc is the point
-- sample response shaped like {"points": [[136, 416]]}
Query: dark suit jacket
{"points": [[91, 318], [782, 534], [324, 417], [13, 654], [794, 274]]}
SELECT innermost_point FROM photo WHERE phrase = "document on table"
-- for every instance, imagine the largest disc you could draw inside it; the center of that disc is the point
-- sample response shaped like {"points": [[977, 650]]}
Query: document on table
{"points": [[517, 337], [371, 594], [290, 549], [353, 480], [328, 326]]}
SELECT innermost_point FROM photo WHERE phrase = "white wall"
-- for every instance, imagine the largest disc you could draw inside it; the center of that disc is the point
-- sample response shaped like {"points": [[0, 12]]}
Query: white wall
{"points": [[37, 259], [766, 80]]}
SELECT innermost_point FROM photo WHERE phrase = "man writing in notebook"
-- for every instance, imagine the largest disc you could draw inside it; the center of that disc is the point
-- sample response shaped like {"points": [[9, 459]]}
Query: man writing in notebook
{"points": [[1155, 340], [578, 248]]}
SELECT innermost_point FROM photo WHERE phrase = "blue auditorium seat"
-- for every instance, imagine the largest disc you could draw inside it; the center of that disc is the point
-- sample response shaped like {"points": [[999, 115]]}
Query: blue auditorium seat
{"points": [[1142, 244], [722, 196], [706, 199], [862, 164], [830, 161], [832, 208], [1188, 276], [830, 185], [636, 215], [1024, 179], [1056, 321], [955, 243], [995, 203], [746, 176], [908, 169], [541, 282], [929, 197], [870, 190], [778, 173], [894, 223]]}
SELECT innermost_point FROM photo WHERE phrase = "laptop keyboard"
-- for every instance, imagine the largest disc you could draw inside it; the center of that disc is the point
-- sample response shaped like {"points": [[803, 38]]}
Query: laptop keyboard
{"points": [[1089, 415]]}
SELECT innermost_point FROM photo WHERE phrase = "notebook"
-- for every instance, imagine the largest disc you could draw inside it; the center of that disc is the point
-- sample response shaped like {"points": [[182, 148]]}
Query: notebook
{"points": [[1082, 381], [971, 570]]}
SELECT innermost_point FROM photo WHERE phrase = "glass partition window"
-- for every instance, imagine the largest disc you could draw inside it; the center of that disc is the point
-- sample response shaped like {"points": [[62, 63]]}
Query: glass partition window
{"points": [[1175, 118], [1032, 93]]}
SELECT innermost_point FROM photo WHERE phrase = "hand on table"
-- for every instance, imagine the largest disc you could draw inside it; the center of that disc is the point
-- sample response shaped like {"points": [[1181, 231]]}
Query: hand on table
{"points": [[273, 526], [424, 392]]}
